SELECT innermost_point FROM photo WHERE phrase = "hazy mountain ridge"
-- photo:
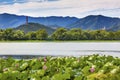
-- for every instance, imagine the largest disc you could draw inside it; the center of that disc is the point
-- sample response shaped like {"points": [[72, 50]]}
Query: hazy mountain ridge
{"points": [[93, 22], [12, 21]]}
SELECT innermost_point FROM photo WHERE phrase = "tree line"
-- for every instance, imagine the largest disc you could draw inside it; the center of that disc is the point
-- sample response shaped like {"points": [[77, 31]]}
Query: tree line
{"points": [[60, 34]]}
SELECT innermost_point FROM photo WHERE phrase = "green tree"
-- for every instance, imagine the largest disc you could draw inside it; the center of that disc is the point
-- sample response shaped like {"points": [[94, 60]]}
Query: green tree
{"points": [[1, 34], [117, 35], [76, 34], [18, 35], [41, 34], [111, 36], [98, 35], [102, 35], [30, 36], [59, 34], [8, 34]]}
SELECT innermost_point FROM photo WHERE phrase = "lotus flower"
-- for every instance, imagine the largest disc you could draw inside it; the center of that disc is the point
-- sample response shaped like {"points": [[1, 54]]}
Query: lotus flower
{"points": [[17, 65], [92, 69], [45, 60], [44, 67]]}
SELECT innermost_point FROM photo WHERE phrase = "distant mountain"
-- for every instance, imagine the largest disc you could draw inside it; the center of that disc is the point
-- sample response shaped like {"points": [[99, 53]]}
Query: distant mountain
{"points": [[12, 21], [91, 22], [34, 27], [114, 28], [97, 22]]}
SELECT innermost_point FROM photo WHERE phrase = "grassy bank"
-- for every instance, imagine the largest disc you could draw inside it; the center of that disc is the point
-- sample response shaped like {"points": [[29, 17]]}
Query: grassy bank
{"points": [[9, 41]]}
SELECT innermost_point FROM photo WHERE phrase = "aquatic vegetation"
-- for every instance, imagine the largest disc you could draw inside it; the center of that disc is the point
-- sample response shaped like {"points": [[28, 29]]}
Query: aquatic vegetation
{"points": [[91, 67]]}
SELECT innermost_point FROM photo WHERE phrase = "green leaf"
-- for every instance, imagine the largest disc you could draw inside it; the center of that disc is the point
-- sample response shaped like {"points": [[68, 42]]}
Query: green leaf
{"points": [[86, 70], [66, 76], [78, 78], [46, 78], [40, 72]]}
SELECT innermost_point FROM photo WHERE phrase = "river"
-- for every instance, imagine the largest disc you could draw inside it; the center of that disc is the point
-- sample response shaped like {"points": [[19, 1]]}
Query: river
{"points": [[60, 48]]}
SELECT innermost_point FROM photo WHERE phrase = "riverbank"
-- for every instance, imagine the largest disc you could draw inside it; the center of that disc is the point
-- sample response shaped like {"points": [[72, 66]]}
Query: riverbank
{"points": [[36, 41]]}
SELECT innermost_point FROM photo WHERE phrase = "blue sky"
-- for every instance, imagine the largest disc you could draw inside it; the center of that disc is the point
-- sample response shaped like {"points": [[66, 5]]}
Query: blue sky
{"points": [[76, 8]]}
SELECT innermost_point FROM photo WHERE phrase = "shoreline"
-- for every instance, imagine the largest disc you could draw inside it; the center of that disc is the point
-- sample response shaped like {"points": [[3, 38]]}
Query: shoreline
{"points": [[36, 41]]}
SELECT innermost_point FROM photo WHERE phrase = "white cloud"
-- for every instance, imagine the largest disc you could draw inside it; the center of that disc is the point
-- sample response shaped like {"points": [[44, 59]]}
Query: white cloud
{"points": [[77, 8]]}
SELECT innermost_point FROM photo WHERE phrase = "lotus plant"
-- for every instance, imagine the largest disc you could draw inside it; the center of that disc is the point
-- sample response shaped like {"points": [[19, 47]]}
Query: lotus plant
{"points": [[90, 67]]}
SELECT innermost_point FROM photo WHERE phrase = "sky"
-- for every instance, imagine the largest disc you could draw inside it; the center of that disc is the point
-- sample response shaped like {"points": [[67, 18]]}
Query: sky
{"points": [[73, 8]]}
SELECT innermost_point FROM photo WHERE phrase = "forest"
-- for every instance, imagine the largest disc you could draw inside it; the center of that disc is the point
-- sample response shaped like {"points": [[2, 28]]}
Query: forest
{"points": [[59, 34]]}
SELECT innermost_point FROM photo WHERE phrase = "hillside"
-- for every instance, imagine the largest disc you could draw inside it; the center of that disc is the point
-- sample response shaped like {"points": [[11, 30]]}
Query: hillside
{"points": [[12, 21], [34, 27], [93, 22]]}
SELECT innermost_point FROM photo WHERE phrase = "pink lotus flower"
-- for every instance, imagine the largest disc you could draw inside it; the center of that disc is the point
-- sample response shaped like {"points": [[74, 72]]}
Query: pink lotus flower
{"points": [[44, 67], [92, 69], [17, 65], [45, 60]]}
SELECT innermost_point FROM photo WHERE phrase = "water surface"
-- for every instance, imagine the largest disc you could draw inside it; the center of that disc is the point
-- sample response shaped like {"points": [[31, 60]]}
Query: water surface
{"points": [[61, 48]]}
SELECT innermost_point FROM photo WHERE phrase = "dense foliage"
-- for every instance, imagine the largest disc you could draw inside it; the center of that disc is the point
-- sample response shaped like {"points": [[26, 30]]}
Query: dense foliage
{"points": [[93, 67], [59, 34], [78, 34], [34, 27]]}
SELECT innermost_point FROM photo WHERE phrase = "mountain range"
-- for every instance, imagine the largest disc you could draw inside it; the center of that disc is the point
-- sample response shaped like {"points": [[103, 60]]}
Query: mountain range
{"points": [[96, 22], [12, 21], [91, 22]]}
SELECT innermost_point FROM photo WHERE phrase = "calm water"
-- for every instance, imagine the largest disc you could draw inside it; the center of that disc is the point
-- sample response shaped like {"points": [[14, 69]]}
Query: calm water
{"points": [[61, 48]]}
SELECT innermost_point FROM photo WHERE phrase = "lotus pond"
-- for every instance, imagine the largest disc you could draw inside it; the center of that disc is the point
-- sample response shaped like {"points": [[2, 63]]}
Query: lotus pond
{"points": [[91, 67]]}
